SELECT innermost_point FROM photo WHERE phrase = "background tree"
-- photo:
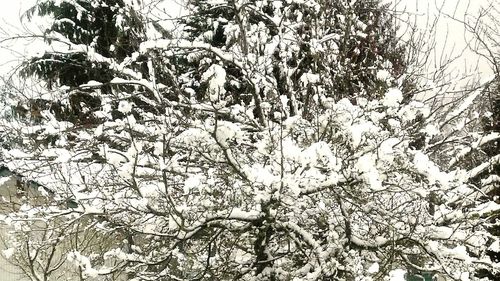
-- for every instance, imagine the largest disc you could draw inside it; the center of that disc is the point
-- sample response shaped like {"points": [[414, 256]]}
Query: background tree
{"points": [[345, 49], [105, 28], [96, 43]]}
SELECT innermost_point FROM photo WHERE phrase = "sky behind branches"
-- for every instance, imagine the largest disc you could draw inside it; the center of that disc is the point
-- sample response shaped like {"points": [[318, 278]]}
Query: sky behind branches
{"points": [[451, 38]]}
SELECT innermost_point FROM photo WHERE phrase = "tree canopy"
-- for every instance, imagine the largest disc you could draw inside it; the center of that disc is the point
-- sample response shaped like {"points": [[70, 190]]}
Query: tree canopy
{"points": [[261, 140]]}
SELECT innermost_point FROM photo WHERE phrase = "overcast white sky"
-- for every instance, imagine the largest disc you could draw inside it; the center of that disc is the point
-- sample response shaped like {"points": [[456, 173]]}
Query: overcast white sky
{"points": [[10, 11], [450, 35]]}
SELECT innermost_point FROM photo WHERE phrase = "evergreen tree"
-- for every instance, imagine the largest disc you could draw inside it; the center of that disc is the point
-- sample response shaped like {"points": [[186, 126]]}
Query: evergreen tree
{"points": [[489, 178], [308, 48], [104, 28], [95, 41]]}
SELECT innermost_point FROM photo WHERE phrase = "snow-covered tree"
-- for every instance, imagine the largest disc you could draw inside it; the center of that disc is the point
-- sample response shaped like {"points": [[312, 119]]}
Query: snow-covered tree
{"points": [[97, 36], [92, 43], [477, 149], [246, 160], [304, 48]]}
